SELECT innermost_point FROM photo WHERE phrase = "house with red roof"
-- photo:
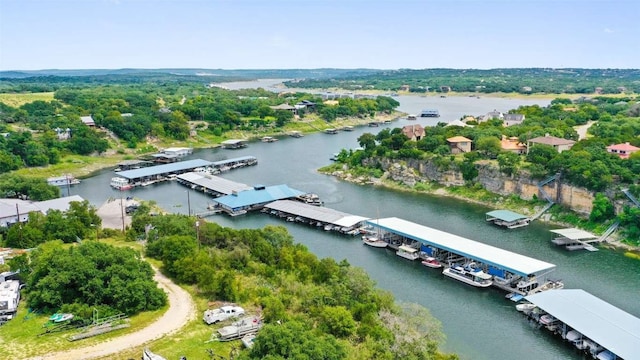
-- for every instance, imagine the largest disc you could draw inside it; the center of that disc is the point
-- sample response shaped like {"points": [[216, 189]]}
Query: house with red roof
{"points": [[413, 132], [622, 150]]}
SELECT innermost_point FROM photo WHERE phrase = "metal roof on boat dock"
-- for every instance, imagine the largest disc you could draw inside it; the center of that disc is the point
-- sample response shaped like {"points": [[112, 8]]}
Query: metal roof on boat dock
{"points": [[177, 167], [574, 234], [506, 215], [215, 184], [234, 160], [317, 213], [490, 255], [257, 195], [607, 325]]}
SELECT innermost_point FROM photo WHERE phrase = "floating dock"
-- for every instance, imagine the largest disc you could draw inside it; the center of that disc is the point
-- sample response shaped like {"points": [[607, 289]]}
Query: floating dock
{"points": [[256, 198], [210, 184], [234, 144], [512, 272], [575, 239], [507, 218], [600, 329], [328, 219], [151, 174]]}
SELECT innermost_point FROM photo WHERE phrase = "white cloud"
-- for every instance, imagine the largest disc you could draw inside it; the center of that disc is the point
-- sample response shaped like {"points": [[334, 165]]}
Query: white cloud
{"points": [[608, 31]]}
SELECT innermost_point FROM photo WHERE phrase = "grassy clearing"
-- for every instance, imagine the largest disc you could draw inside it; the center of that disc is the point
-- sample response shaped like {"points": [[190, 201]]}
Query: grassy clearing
{"points": [[17, 100], [77, 165]]}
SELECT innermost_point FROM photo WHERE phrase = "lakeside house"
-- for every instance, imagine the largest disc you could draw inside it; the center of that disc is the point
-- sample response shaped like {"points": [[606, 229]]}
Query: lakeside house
{"points": [[459, 144], [495, 114], [557, 143], [513, 119], [622, 150], [285, 107], [414, 132], [513, 144]]}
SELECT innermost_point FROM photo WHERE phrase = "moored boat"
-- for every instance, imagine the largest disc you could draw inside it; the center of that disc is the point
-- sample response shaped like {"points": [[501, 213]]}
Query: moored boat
{"points": [[526, 307], [120, 183], [432, 262], [477, 279], [407, 252], [374, 241]]}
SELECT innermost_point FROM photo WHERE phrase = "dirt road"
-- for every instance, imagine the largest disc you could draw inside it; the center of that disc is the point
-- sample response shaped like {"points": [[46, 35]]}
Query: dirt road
{"points": [[181, 310]]}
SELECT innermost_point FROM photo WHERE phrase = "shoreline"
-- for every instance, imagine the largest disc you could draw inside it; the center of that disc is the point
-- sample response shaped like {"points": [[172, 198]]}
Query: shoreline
{"points": [[633, 251]]}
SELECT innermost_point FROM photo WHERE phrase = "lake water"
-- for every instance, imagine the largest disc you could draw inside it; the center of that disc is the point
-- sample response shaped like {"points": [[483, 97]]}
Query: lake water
{"points": [[479, 323]]}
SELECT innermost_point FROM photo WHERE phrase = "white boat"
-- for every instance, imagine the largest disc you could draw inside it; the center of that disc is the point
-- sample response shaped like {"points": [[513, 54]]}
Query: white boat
{"points": [[411, 117], [527, 284], [547, 319], [477, 279], [526, 307], [407, 252], [606, 355], [65, 180], [374, 241], [120, 183], [573, 336], [432, 262]]}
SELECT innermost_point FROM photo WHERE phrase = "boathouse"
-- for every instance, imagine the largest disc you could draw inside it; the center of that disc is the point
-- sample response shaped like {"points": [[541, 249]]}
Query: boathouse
{"points": [[242, 161], [508, 268], [159, 172], [598, 327], [238, 203], [574, 239], [210, 184], [233, 144], [507, 218], [315, 215]]}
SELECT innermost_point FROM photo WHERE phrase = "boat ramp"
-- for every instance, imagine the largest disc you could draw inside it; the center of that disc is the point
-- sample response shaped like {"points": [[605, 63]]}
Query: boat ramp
{"points": [[511, 271], [575, 239], [507, 218], [321, 217], [590, 324]]}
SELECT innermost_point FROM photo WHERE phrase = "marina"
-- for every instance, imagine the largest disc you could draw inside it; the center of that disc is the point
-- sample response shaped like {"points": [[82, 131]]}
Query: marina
{"points": [[210, 184], [239, 203], [607, 273], [153, 174]]}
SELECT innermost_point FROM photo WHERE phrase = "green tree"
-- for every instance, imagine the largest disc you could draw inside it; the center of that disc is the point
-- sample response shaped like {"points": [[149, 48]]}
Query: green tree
{"points": [[602, 209], [338, 321], [489, 145], [509, 162]]}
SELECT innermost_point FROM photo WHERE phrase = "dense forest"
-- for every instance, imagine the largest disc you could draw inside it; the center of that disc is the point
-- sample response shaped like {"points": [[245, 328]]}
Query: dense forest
{"points": [[523, 81]]}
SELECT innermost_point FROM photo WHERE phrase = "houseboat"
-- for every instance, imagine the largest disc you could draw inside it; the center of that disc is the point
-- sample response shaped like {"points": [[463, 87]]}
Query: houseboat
{"points": [[412, 117], [65, 180], [408, 252], [477, 279], [120, 183]]}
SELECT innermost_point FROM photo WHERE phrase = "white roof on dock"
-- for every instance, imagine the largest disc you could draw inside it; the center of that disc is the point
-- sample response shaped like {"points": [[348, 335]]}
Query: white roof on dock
{"points": [[609, 326], [163, 169], [503, 259], [574, 234], [214, 183], [317, 213]]}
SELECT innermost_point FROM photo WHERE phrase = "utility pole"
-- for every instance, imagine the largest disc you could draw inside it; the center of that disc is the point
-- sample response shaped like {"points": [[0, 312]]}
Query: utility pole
{"points": [[189, 202], [122, 212]]}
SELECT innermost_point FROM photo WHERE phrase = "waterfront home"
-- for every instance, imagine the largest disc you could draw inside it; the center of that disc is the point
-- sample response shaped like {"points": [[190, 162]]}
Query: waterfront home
{"points": [[13, 211], [285, 107], [513, 119], [512, 144], [622, 150], [495, 114], [557, 143], [414, 132], [459, 144]]}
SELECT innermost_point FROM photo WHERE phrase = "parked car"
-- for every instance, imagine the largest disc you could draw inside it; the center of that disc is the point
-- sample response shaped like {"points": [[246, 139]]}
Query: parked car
{"points": [[223, 313]]}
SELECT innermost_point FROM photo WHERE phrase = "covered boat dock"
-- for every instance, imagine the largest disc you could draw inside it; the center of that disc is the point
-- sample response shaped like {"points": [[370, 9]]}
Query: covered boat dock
{"points": [[507, 218], [326, 218], [597, 327], [574, 239], [234, 144], [210, 184], [224, 165], [239, 203], [144, 176], [512, 272]]}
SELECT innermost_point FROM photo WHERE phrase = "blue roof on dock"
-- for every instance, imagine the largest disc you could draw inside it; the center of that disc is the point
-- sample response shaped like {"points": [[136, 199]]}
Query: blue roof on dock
{"points": [[609, 326], [506, 215], [490, 255], [258, 195], [163, 169]]}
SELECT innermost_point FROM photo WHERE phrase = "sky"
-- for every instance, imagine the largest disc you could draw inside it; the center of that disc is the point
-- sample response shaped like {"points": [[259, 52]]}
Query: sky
{"points": [[307, 34]]}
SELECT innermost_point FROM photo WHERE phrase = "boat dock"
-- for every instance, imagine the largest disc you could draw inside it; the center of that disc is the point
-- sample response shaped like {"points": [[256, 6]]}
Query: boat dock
{"points": [[512, 272], [575, 239], [210, 184], [590, 324], [239, 203], [322, 217], [507, 218], [153, 174], [234, 144]]}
